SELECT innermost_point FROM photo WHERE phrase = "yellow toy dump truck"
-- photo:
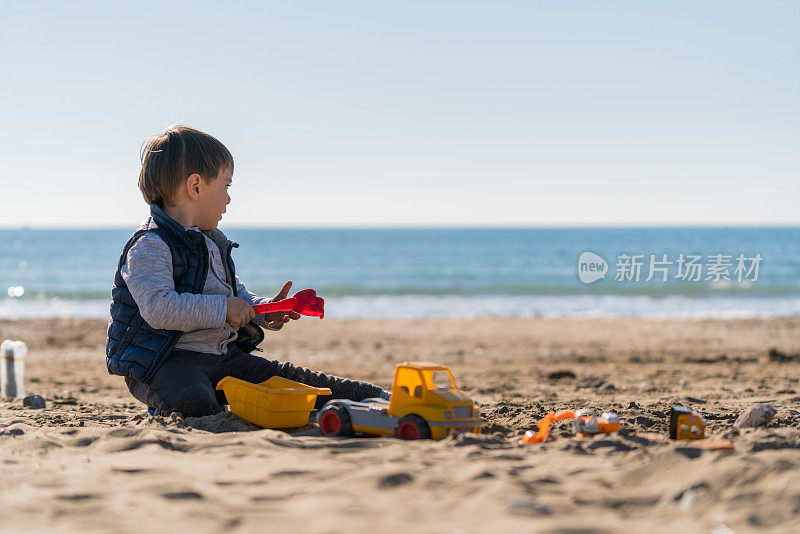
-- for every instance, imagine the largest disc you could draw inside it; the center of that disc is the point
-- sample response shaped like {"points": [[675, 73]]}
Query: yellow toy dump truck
{"points": [[425, 403]]}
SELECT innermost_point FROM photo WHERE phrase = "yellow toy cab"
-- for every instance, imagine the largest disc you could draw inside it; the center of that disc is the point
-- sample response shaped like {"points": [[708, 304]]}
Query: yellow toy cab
{"points": [[425, 403]]}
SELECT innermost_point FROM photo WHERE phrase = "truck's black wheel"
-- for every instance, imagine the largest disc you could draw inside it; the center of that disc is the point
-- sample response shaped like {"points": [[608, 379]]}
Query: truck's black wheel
{"points": [[335, 421], [412, 427]]}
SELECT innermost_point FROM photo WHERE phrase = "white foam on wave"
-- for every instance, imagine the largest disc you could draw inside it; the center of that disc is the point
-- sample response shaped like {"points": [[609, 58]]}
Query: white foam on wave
{"points": [[53, 307], [584, 306], [478, 306]]}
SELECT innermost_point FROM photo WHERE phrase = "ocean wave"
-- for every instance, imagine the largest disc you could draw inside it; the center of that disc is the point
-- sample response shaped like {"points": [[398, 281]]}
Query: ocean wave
{"points": [[700, 290], [471, 307]]}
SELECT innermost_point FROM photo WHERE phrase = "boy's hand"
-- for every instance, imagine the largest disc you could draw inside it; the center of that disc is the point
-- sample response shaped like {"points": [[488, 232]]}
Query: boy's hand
{"points": [[239, 313], [275, 321]]}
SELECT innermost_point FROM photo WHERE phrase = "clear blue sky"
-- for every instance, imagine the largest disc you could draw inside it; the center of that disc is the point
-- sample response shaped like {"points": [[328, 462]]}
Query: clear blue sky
{"points": [[410, 113]]}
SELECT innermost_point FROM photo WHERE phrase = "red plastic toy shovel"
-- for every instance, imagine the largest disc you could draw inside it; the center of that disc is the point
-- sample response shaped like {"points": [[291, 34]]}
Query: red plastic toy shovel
{"points": [[305, 302]]}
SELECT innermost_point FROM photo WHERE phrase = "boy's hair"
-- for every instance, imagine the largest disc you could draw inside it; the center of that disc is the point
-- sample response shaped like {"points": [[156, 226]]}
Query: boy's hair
{"points": [[171, 157]]}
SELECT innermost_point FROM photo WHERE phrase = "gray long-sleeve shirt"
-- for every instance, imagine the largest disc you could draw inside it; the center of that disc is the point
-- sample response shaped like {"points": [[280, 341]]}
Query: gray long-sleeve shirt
{"points": [[147, 272]]}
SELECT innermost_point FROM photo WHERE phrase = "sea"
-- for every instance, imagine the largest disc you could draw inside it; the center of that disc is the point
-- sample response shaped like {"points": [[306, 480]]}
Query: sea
{"points": [[383, 273]]}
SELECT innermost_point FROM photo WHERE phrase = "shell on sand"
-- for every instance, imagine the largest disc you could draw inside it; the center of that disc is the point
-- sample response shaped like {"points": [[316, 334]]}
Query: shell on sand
{"points": [[755, 415]]}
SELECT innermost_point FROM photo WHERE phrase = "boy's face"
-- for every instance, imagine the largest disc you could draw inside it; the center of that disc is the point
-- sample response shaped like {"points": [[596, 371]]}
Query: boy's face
{"points": [[213, 199]]}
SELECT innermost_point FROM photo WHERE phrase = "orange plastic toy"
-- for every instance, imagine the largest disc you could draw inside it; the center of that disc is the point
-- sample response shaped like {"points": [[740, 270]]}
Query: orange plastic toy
{"points": [[544, 426], [587, 424]]}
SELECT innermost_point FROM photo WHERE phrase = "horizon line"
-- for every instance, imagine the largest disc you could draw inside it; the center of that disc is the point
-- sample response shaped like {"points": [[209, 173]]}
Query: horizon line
{"points": [[450, 226]]}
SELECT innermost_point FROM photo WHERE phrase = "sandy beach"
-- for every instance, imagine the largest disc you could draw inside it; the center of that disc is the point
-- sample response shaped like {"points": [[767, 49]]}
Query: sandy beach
{"points": [[94, 461]]}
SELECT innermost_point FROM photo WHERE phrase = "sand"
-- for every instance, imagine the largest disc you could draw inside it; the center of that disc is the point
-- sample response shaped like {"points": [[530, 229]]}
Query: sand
{"points": [[94, 461]]}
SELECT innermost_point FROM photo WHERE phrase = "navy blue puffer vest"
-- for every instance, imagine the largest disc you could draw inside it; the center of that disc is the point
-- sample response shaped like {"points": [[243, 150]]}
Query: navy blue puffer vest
{"points": [[136, 349]]}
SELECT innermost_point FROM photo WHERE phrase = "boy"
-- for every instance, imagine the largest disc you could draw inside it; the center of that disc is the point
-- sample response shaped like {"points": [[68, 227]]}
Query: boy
{"points": [[181, 319]]}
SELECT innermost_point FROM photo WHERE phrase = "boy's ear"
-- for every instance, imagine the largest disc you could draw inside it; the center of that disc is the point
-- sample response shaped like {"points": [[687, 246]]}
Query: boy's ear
{"points": [[193, 186]]}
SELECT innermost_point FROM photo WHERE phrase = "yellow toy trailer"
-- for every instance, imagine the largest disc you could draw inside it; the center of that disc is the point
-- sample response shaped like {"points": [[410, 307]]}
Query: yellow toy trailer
{"points": [[686, 424], [425, 403]]}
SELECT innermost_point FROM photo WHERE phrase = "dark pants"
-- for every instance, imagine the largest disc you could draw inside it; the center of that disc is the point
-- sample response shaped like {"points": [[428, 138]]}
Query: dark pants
{"points": [[187, 380]]}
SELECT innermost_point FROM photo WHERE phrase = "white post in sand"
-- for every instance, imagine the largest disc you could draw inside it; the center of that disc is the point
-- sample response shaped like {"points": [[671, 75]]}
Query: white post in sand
{"points": [[12, 369]]}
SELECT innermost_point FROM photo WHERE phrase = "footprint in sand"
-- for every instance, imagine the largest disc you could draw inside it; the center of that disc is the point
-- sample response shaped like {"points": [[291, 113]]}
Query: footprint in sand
{"points": [[291, 473], [394, 480], [129, 471], [182, 495], [77, 497]]}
